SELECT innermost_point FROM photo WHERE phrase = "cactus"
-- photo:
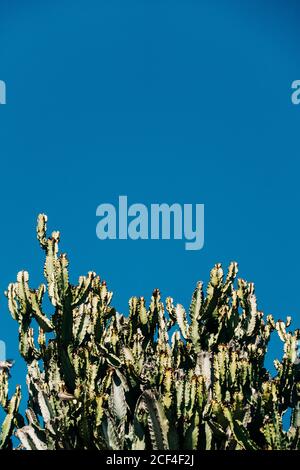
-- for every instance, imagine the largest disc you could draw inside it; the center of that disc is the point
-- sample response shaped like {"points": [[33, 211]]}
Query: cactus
{"points": [[159, 378], [11, 407]]}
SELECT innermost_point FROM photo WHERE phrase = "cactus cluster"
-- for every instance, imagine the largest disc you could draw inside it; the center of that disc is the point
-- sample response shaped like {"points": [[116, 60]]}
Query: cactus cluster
{"points": [[158, 378]]}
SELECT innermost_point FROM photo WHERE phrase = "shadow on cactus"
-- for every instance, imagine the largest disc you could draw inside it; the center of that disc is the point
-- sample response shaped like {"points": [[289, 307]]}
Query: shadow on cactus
{"points": [[102, 380]]}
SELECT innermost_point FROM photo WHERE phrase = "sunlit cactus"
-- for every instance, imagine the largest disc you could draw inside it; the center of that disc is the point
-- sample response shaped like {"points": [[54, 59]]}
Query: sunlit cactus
{"points": [[101, 380]]}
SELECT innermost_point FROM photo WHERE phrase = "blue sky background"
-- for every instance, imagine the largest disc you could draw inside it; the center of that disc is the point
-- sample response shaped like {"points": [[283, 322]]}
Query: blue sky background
{"points": [[163, 101]]}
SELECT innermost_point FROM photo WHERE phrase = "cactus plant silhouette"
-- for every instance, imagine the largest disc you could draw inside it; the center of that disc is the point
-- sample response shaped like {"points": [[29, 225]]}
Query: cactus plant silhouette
{"points": [[101, 380]]}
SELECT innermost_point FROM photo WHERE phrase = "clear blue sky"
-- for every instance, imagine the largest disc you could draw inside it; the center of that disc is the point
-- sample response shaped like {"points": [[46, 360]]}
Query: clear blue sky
{"points": [[163, 101]]}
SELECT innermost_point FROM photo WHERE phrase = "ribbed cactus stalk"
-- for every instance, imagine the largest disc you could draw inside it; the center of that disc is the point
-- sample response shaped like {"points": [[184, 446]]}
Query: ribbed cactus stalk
{"points": [[101, 380]]}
